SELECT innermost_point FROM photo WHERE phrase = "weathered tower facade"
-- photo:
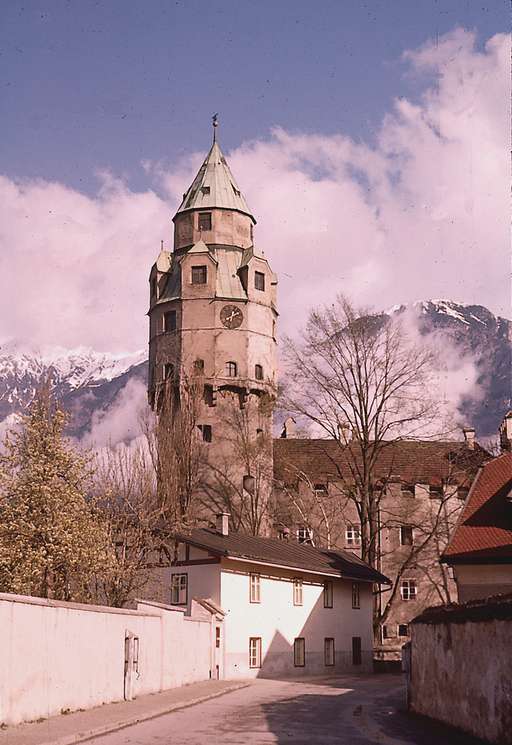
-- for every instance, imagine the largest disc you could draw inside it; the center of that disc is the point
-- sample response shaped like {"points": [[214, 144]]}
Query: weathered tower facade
{"points": [[213, 324]]}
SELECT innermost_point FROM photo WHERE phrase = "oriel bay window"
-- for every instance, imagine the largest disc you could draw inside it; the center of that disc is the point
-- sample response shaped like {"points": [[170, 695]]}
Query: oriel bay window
{"points": [[199, 275], [259, 281], [179, 586], [255, 651]]}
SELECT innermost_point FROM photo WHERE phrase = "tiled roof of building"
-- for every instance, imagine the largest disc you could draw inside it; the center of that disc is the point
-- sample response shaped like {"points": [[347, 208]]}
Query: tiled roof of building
{"points": [[484, 530], [288, 554], [420, 462], [214, 186]]}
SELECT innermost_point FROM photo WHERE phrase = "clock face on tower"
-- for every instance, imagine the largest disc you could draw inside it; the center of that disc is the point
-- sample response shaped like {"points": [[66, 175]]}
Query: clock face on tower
{"points": [[231, 316]]}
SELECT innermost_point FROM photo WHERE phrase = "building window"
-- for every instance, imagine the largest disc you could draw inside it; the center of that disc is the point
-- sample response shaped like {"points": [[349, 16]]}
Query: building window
{"points": [[353, 535], [435, 491], [199, 367], [406, 535], [304, 534], [199, 275], [297, 591], [403, 629], [299, 652], [387, 632], [259, 280], [205, 221], [249, 483], [179, 586], [320, 490], [217, 637], [231, 370], [255, 651], [356, 650], [328, 652], [258, 372], [205, 190], [170, 320], [356, 600], [328, 593], [206, 431], [408, 589], [254, 588], [168, 371]]}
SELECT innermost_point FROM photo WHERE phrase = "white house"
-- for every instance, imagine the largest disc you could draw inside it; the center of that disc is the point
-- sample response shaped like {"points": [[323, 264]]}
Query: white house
{"points": [[289, 608]]}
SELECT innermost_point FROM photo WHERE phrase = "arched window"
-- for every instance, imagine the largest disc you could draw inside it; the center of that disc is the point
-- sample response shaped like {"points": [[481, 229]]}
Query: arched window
{"points": [[231, 370], [258, 372]]}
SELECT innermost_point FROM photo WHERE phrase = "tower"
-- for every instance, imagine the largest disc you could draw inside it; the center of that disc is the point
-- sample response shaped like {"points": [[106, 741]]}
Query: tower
{"points": [[213, 336]]}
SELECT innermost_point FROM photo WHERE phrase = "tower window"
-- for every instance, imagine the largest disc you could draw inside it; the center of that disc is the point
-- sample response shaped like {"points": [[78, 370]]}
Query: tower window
{"points": [[199, 367], [406, 535], [170, 320], [259, 280], [206, 431], [231, 369], [168, 371], [205, 221], [199, 275], [258, 372]]}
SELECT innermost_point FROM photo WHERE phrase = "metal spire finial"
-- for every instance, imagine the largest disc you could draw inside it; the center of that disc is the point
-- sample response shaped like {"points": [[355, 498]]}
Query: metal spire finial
{"points": [[215, 124]]}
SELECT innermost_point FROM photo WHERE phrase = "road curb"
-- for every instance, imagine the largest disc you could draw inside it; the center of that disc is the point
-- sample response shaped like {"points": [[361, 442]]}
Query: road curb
{"points": [[117, 726]]}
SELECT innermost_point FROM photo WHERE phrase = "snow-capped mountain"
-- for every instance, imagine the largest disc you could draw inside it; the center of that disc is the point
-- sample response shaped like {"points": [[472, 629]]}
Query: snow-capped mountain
{"points": [[90, 385]]}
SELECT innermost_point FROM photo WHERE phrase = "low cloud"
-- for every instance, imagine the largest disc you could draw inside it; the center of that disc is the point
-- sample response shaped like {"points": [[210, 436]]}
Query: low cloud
{"points": [[121, 421]]}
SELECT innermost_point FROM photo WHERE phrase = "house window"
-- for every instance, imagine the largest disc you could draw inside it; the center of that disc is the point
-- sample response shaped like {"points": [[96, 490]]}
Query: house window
{"points": [[435, 491], [255, 651], [206, 431], [403, 629], [199, 275], [259, 280], [258, 372], [231, 369], [406, 535], [387, 632], [254, 588], [179, 586], [299, 652], [356, 650], [217, 637], [328, 593], [170, 320], [356, 600], [205, 221], [408, 589], [297, 591], [328, 652], [199, 367], [353, 535], [304, 534], [168, 371]]}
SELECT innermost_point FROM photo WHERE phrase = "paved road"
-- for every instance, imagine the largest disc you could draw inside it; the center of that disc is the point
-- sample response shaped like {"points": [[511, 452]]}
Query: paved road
{"points": [[363, 710]]}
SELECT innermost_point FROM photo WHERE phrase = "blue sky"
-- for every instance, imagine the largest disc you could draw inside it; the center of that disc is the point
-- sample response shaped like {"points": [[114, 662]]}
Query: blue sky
{"points": [[105, 85]]}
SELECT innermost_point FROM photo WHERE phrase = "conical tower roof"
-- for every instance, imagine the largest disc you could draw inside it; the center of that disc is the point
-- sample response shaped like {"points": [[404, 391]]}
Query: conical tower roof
{"points": [[214, 187]]}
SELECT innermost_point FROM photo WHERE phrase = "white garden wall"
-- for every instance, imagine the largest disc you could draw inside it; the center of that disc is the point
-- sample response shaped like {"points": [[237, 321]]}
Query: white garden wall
{"points": [[60, 656]]}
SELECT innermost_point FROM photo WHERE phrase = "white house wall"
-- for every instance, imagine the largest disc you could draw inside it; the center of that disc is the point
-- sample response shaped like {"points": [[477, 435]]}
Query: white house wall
{"points": [[278, 622]]}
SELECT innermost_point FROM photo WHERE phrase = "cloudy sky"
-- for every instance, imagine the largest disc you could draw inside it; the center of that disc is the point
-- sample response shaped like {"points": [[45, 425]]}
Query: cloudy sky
{"points": [[370, 138]]}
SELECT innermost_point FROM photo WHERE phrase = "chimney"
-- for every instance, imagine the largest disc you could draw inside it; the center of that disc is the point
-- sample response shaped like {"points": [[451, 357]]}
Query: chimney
{"points": [[506, 433], [469, 436], [222, 523], [289, 429]]}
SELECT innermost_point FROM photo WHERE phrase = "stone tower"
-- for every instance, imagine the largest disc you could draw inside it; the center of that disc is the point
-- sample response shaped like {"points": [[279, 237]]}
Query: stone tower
{"points": [[213, 321]]}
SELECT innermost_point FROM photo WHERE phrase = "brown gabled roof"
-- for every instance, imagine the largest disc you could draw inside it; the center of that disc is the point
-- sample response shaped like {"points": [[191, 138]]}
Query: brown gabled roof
{"points": [[287, 554], [413, 461], [484, 531]]}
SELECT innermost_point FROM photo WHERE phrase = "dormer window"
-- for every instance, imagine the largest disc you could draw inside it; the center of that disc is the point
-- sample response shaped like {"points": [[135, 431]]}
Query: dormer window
{"points": [[205, 190], [259, 280], [236, 191], [199, 275], [258, 372], [205, 221]]}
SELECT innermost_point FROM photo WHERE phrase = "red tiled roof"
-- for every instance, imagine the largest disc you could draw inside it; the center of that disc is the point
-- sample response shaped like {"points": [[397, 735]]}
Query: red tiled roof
{"points": [[414, 462], [484, 531]]}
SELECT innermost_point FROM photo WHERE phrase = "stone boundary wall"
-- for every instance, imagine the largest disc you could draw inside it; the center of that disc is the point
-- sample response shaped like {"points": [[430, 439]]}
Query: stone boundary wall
{"points": [[59, 657], [460, 667]]}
